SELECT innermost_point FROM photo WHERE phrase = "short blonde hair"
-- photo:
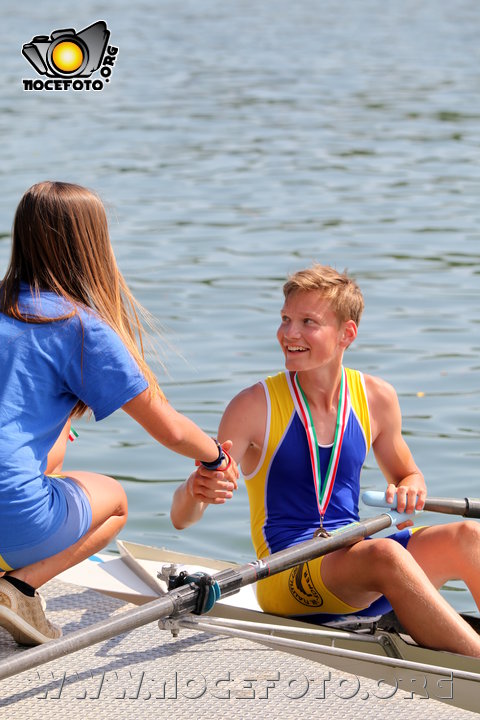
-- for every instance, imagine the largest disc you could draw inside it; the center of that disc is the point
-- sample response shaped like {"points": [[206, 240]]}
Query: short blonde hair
{"points": [[345, 296]]}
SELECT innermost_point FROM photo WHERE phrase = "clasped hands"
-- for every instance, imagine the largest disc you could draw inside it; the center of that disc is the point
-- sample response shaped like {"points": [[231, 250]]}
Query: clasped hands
{"points": [[214, 486]]}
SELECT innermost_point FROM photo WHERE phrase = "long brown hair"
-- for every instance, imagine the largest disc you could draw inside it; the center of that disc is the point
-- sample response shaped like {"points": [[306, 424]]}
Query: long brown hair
{"points": [[61, 244]]}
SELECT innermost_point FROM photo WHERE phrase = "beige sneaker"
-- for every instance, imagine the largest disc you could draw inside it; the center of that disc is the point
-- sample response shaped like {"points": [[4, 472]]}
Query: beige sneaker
{"points": [[24, 617]]}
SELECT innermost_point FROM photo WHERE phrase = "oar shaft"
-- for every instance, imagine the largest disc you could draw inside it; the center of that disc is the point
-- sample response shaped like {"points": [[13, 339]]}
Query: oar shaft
{"points": [[183, 600], [466, 507], [231, 581], [98, 632]]}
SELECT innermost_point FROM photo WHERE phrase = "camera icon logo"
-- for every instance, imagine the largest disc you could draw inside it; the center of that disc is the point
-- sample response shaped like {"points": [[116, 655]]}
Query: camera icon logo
{"points": [[68, 54]]}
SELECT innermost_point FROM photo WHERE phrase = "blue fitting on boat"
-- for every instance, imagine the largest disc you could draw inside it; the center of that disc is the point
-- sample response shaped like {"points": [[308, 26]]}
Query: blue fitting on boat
{"points": [[208, 589]]}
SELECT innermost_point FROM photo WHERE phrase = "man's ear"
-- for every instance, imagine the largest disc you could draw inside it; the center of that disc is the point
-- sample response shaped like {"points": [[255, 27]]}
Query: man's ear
{"points": [[349, 333]]}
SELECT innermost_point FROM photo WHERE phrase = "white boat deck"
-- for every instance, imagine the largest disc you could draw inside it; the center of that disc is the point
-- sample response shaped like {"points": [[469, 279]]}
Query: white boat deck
{"points": [[148, 674]]}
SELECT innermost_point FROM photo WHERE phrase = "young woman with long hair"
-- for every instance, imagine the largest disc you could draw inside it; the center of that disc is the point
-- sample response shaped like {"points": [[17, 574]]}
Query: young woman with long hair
{"points": [[70, 340]]}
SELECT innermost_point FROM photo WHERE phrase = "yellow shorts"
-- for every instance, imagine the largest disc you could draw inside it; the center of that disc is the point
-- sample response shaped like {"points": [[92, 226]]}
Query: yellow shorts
{"points": [[301, 591]]}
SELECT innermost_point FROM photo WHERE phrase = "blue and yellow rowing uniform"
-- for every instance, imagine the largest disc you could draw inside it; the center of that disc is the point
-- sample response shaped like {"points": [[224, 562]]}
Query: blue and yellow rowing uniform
{"points": [[284, 507]]}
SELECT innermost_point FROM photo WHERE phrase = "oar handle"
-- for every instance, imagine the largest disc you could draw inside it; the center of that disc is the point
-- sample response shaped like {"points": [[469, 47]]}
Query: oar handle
{"points": [[468, 507], [375, 498]]}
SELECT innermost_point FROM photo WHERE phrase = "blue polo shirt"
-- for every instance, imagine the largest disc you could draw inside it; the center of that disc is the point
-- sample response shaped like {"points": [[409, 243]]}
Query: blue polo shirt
{"points": [[44, 370]]}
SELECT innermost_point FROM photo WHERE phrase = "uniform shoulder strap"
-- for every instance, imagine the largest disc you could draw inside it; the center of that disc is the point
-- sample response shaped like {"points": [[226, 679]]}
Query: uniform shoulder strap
{"points": [[359, 401]]}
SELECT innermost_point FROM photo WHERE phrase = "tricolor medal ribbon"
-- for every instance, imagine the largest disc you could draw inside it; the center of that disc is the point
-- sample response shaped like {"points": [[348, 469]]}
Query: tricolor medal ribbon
{"points": [[323, 489]]}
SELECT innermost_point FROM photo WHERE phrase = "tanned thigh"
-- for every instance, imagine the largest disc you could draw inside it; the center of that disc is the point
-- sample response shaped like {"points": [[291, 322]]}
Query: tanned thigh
{"points": [[106, 495], [347, 573], [447, 552]]}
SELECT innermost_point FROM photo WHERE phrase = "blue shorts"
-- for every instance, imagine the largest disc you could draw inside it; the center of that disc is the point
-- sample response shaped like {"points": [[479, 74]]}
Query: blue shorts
{"points": [[77, 521]]}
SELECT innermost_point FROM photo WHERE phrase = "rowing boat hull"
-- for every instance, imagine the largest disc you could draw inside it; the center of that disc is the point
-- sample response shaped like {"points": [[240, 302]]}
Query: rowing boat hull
{"points": [[133, 577]]}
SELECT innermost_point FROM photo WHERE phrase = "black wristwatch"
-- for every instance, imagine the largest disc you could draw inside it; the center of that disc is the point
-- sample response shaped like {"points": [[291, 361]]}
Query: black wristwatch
{"points": [[215, 464]]}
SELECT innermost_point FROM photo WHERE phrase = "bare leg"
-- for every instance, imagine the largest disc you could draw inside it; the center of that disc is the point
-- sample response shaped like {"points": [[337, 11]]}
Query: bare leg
{"points": [[109, 514], [450, 552], [358, 575]]}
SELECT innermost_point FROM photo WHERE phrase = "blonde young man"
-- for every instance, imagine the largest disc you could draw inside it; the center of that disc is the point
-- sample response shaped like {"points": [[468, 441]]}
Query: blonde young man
{"points": [[301, 438]]}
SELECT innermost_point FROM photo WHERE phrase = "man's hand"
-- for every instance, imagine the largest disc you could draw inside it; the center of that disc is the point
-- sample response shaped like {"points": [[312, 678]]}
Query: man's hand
{"points": [[214, 486], [411, 493]]}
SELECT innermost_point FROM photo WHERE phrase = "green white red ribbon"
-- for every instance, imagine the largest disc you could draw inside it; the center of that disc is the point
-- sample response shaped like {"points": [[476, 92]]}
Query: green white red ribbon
{"points": [[323, 489], [72, 435]]}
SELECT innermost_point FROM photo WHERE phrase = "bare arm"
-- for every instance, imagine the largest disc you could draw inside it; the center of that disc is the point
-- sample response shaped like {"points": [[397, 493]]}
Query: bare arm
{"points": [[201, 489], [243, 423], [171, 428], [391, 451]]}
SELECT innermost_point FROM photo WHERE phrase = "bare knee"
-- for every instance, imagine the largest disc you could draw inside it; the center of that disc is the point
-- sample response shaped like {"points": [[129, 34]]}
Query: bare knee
{"points": [[385, 562], [465, 545], [468, 534], [114, 512], [122, 502], [460, 540], [383, 551], [106, 496], [360, 574], [121, 511], [119, 507]]}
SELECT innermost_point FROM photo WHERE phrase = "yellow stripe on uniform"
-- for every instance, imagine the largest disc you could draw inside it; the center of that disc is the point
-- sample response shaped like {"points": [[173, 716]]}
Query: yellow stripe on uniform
{"points": [[280, 411], [4, 565]]}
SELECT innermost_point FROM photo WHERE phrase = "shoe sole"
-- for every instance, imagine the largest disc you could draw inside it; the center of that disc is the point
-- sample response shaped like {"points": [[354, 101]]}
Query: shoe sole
{"points": [[20, 629]]}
